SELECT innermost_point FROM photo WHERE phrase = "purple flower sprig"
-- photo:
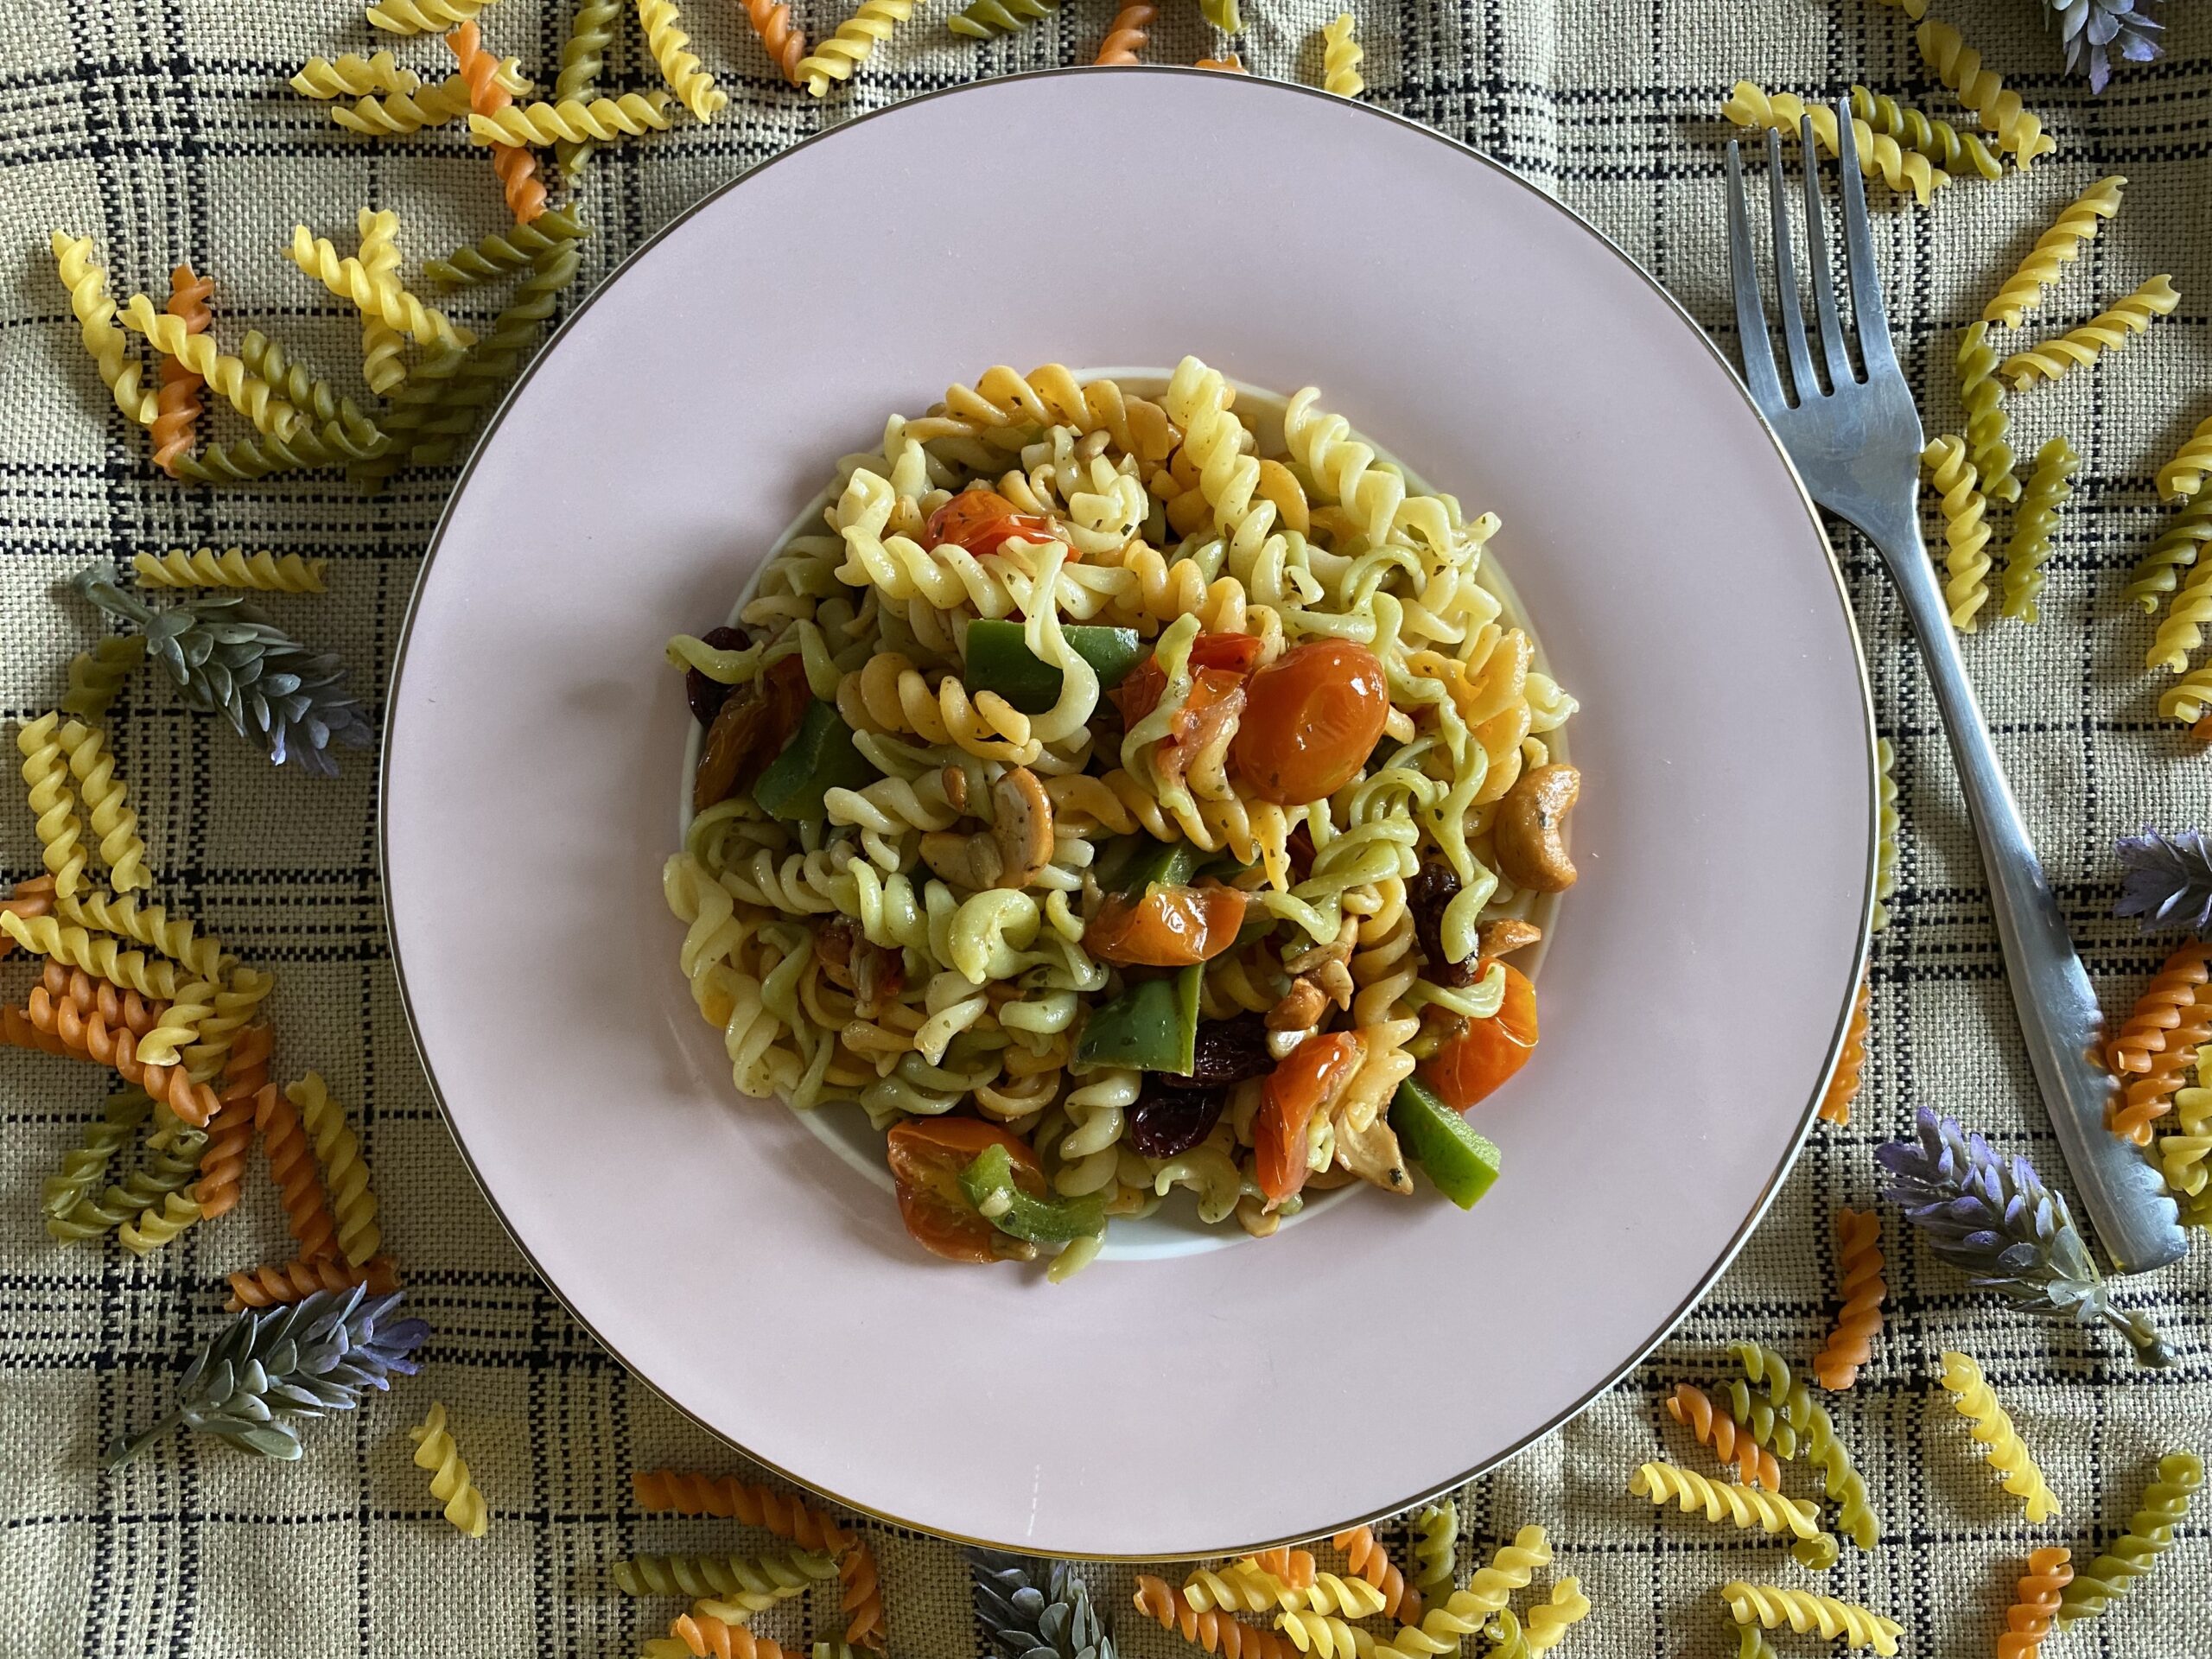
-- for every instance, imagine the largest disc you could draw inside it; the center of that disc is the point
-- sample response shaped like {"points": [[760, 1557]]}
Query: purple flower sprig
{"points": [[2167, 881], [1993, 1217], [265, 1369]]}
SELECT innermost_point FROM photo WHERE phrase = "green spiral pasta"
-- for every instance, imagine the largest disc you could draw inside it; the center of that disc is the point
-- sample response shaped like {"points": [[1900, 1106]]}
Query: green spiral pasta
{"points": [[1839, 1480], [584, 56], [751, 1586], [981, 19], [83, 1167], [2150, 1533], [2050, 487]]}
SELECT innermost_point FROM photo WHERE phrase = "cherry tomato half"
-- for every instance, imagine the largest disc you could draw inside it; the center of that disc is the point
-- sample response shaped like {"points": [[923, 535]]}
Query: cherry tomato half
{"points": [[1483, 1053], [1311, 719], [926, 1155], [1139, 693], [980, 520], [1169, 927], [1310, 1075]]}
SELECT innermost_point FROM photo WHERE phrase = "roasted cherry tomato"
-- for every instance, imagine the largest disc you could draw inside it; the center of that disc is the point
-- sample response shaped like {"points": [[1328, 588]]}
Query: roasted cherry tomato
{"points": [[1167, 927], [980, 519], [1138, 694], [1483, 1053], [1311, 719], [926, 1155], [1313, 1074]]}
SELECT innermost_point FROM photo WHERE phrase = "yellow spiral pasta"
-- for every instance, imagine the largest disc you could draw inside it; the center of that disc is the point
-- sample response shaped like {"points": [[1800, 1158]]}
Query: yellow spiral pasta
{"points": [[1880, 156], [2056, 248], [1465, 1611], [573, 120], [247, 393], [1772, 1606], [1741, 1507], [1245, 1585], [232, 568], [106, 804], [1965, 530], [100, 956], [1885, 855], [1326, 1637], [2108, 331], [891, 695], [2183, 629], [2176, 549], [381, 364], [95, 314], [400, 113], [195, 1001], [96, 676], [1547, 1623], [2050, 487], [836, 59], [422, 16], [53, 803], [1938, 141], [350, 76], [2189, 701], [1983, 399], [151, 925], [381, 297], [232, 1009], [679, 67], [2183, 1154], [1958, 65], [156, 1226], [1992, 1427], [1340, 58], [345, 1177], [449, 1481], [2182, 476]]}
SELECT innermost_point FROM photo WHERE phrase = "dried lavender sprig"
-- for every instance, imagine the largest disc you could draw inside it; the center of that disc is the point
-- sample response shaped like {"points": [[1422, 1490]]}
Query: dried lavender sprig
{"points": [[1034, 1611], [1993, 1217], [267, 1369], [2167, 881]]}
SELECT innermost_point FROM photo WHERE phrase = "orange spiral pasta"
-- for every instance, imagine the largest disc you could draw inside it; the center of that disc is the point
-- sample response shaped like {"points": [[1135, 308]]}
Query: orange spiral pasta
{"points": [[1126, 34], [230, 1134], [2029, 1619], [177, 423], [1851, 1345], [732, 1499], [487, 95], [1215, 1632], [1371, 1561], [786, 44], [117, 1005], [266, 1287], [1851, 1065], [2159, 1009], [59, 1026], [1754, 1463], [705, 1635], [33, 897], [2154, 1050], [1231, 64], [861, 1602], [1295, 1567], [291, 1166]]}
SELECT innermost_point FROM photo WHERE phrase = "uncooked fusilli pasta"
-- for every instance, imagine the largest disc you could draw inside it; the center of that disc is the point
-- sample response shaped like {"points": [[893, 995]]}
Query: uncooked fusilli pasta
{"points": [[1958, 65], [2077, 223], [232, 568], [1992, 1427], [2035, 1610], [1773, 1605], [1966, 529], [450, 1483], [2078, 347], [1851, 1345], [177, 405], [2050, 487], [2150, 1533], [836, 58]]}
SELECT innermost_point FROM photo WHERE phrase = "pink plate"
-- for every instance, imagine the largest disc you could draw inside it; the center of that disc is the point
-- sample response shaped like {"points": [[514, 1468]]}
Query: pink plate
{"points": [[1695, 990]]}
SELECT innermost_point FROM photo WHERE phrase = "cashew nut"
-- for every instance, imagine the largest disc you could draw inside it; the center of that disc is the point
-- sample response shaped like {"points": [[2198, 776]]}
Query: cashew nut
{"points": [[1012, 853], [1373, 1154], [1300, 1008], [1530, 830], [1506, 934]]}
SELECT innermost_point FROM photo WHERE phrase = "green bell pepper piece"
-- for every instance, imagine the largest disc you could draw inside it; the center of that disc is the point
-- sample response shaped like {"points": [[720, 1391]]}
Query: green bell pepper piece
{"points": [[989, 1183], [1159, 863], [1462, 1163], [999, 659], [1153, 1026], [819, 757]]}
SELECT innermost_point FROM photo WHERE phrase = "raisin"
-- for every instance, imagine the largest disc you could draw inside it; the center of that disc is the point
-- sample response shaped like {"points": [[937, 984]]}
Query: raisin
{"points": [[749, 731], [1434, 886], [1166, 1122], [1228, 1051], [706, 695]]}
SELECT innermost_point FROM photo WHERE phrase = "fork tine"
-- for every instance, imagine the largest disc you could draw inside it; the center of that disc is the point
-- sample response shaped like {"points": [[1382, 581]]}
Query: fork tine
{"points": [[1801, 377], [1817, 259], [1751, 312], [1870, 322]]}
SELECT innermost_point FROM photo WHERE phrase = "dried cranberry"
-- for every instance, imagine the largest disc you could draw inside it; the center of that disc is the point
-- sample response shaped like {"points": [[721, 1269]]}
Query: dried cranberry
{"points": [[1228, 1051], [1166, 1122], [707, 696], [1435, 885]]}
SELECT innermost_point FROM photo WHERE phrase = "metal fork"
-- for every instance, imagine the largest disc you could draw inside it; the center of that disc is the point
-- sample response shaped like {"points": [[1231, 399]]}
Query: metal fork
{"points": [[1856, 442]]}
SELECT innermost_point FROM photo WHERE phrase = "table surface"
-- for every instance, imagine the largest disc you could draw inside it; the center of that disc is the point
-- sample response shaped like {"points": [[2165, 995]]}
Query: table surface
{"points": [[167, 133]]}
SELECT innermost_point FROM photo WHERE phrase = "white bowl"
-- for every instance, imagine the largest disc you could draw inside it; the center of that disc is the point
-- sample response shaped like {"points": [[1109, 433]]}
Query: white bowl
{"points": [[1699, 978]]}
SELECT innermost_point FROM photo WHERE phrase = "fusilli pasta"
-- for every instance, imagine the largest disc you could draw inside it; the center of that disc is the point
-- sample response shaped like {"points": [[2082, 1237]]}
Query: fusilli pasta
{"points": [[2050, 487], [2032, 1615], [1992, 1427], [2150, 1533], [2077, 223], [1340, 58], [1839, 1480], [1880, 157], [1773, 1605], [450, 1483], [177, 406], [1958, 65], [1755, 1466], [1966, 529], [53, 807], [1851, 1345], [232, 568], [836, 58], [679, 67], [104, 342], [106, 804], [344, 1176], [2079, 347]]}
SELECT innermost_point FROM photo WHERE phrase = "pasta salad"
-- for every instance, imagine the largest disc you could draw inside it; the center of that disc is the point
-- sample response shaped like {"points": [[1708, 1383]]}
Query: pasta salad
{"points": [[1120, 795]]}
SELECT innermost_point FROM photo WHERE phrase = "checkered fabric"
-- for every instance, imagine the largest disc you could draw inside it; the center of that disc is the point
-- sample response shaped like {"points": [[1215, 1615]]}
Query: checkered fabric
{"points": [[167, 133]]}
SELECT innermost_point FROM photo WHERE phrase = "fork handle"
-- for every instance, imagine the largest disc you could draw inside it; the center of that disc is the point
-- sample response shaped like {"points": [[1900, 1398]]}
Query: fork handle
{"points": [[2127, 1200]]}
